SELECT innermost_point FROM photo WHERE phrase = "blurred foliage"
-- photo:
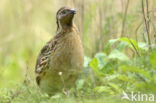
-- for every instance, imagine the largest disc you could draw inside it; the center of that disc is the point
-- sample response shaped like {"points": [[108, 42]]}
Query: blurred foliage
{"points": [[113, 63], [105, 77]]}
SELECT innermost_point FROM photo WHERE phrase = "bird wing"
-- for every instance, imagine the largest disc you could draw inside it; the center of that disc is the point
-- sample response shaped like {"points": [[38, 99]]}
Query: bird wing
{"points": [[42, 62], [43, 59]]}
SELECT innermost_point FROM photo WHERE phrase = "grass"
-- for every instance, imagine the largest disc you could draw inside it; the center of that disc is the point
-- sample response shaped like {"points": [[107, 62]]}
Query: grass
{"points": [[105, 77]]}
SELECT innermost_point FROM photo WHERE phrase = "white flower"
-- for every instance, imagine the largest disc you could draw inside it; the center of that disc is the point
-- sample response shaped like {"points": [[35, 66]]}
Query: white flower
{"points": [[60, 73]]}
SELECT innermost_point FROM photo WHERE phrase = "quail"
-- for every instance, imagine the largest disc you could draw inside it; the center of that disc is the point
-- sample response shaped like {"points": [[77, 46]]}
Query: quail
{"points": [[60, 61]]}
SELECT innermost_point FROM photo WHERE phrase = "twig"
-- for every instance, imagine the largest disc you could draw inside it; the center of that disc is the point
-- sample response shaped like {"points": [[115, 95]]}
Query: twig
{"points": [[154, 31], [147, 15], [100, 27], [124, 19], [146, 23], [136, 31]]}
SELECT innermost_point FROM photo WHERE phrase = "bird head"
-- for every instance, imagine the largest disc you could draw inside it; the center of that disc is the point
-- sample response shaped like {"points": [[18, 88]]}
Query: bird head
{"points": [[65, 16]]}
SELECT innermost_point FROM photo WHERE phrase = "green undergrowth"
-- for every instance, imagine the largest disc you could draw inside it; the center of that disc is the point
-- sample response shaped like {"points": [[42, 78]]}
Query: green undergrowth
{"points": [[104, 79]]}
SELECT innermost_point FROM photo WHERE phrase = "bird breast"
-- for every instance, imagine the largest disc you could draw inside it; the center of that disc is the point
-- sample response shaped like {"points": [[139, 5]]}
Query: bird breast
{"points": [[68, 54]]}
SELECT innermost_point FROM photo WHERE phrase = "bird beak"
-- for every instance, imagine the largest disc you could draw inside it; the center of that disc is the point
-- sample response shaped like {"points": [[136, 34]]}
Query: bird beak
{"points": [[73, 11]]}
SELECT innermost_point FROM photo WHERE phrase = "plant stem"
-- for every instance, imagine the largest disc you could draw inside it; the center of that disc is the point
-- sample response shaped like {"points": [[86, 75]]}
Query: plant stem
{"points": [[124, 19], [146, 23]]}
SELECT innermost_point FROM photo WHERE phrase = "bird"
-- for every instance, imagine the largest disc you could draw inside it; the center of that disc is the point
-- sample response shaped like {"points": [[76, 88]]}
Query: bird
{"points": [[60, 61]]}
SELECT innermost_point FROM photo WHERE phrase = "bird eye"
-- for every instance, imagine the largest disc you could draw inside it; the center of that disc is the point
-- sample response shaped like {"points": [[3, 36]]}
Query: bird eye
{"points": [[63, 12]]}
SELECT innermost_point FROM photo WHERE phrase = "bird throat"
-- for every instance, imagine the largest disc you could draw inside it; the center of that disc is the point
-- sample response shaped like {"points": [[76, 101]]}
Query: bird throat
{"points": [[64, 27]]}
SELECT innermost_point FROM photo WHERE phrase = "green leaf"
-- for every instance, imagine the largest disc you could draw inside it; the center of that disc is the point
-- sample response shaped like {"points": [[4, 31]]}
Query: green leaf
{"points": [[143, 46], [86, 61], [153, 59], [121, 46], [112, 41], [101, 59], [101, 89], [115, 87], [115, 54], [136, 70], [131, 42], [125, 78], [94, 65]]}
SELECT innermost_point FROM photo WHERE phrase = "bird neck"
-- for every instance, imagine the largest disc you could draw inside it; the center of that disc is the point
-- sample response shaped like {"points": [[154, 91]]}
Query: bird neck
{"points": [[61, 27]]}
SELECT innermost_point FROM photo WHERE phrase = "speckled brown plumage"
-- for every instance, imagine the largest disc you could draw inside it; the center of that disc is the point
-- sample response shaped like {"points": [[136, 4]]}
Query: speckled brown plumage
{"points": [[60, 61]]}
